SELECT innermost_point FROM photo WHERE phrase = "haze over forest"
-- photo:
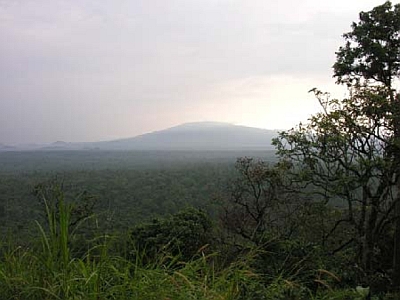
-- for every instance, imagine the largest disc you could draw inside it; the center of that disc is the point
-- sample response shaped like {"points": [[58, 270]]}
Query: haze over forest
{"points": [[86, 71], [104, 196], [190, 136]]}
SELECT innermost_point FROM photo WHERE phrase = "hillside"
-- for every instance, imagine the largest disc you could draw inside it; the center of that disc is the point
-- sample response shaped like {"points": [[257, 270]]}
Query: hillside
{"points": [[200, 136], [197, 136]]}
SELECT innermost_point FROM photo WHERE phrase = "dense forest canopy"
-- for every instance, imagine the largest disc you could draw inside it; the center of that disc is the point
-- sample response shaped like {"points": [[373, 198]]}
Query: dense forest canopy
{"points": [[320, 219]]}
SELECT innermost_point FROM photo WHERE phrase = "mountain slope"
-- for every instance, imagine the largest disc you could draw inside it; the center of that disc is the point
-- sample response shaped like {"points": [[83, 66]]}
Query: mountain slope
{"points": [[197, 136], [4, 147]]}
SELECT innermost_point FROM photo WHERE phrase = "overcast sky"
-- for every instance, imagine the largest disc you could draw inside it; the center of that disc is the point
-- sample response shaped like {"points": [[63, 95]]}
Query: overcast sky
{"points": [[98, 70]]}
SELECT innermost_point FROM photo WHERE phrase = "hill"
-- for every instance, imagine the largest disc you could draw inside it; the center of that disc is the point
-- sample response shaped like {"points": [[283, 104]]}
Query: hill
{"points": [[200, 136], [197, 136]]}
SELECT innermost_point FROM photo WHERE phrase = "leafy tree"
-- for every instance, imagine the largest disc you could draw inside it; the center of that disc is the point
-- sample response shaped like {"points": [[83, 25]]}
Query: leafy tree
{"points": [[372, 48], [51, 193], [349, 153], [266, 216], [66, 215], [339, 155], [261, 205], [372, 53], [183, 233]]}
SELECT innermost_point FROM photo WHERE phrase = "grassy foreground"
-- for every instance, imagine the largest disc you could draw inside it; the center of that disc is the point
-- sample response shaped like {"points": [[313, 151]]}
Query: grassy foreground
{"points": [[50, 267]]}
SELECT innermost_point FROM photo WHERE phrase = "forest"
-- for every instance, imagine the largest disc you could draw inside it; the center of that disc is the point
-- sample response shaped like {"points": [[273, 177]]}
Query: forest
{"points": [[128, 186], [319, 218]]}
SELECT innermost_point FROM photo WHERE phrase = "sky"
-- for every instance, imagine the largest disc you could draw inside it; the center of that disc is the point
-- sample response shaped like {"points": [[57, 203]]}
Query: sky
{"points": [[93, 70]]}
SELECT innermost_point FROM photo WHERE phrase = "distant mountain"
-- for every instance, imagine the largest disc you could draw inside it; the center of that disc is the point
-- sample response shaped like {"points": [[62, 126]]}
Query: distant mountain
{"points": [[7, 147], [190, 136], [197, 136], [59, 145]]}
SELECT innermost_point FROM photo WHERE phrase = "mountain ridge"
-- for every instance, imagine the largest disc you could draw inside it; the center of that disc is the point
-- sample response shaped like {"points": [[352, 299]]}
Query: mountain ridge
{"points": [[191, 136], [199, 136]]}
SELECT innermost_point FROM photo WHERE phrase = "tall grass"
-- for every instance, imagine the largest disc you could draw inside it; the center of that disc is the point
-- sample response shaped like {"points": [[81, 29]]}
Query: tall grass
{"points": [[48, 269]]}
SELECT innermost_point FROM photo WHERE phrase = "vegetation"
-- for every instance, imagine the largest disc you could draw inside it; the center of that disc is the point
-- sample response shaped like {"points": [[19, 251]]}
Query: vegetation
{"points": [[319, 221], [349, 153], [51, 270]]}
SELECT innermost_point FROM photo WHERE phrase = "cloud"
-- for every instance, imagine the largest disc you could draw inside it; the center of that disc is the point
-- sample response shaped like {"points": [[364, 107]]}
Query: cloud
{"points": [[87, 70]]}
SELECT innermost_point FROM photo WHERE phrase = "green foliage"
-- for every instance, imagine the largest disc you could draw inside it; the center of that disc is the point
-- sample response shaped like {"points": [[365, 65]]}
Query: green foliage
{"points": [[50, 271], [372, 48], [184, 233], [315, 225], [129, 188], [348, 154], [341, 154], [282, 289], [260, 202]]}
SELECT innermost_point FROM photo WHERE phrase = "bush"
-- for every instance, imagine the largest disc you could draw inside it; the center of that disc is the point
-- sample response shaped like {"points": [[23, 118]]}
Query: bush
{"points": [[181, 234]]}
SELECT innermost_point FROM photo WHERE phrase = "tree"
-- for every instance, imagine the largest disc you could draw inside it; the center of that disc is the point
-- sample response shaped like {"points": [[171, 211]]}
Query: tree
{"points": [[51, 194], [372, 53], [340, 156], [66, 215], [372, 48], [260, 206], [264, 213], [183, 233], [349, 153]]}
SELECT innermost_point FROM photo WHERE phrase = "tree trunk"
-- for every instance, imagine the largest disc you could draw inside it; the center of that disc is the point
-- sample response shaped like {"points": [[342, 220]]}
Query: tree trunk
{"points": [[369, 237], [396, 160], [396, 248]]}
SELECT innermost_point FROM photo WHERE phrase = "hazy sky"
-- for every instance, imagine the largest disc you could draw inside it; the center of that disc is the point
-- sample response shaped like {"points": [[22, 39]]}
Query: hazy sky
{"points": [[96, 70]]}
